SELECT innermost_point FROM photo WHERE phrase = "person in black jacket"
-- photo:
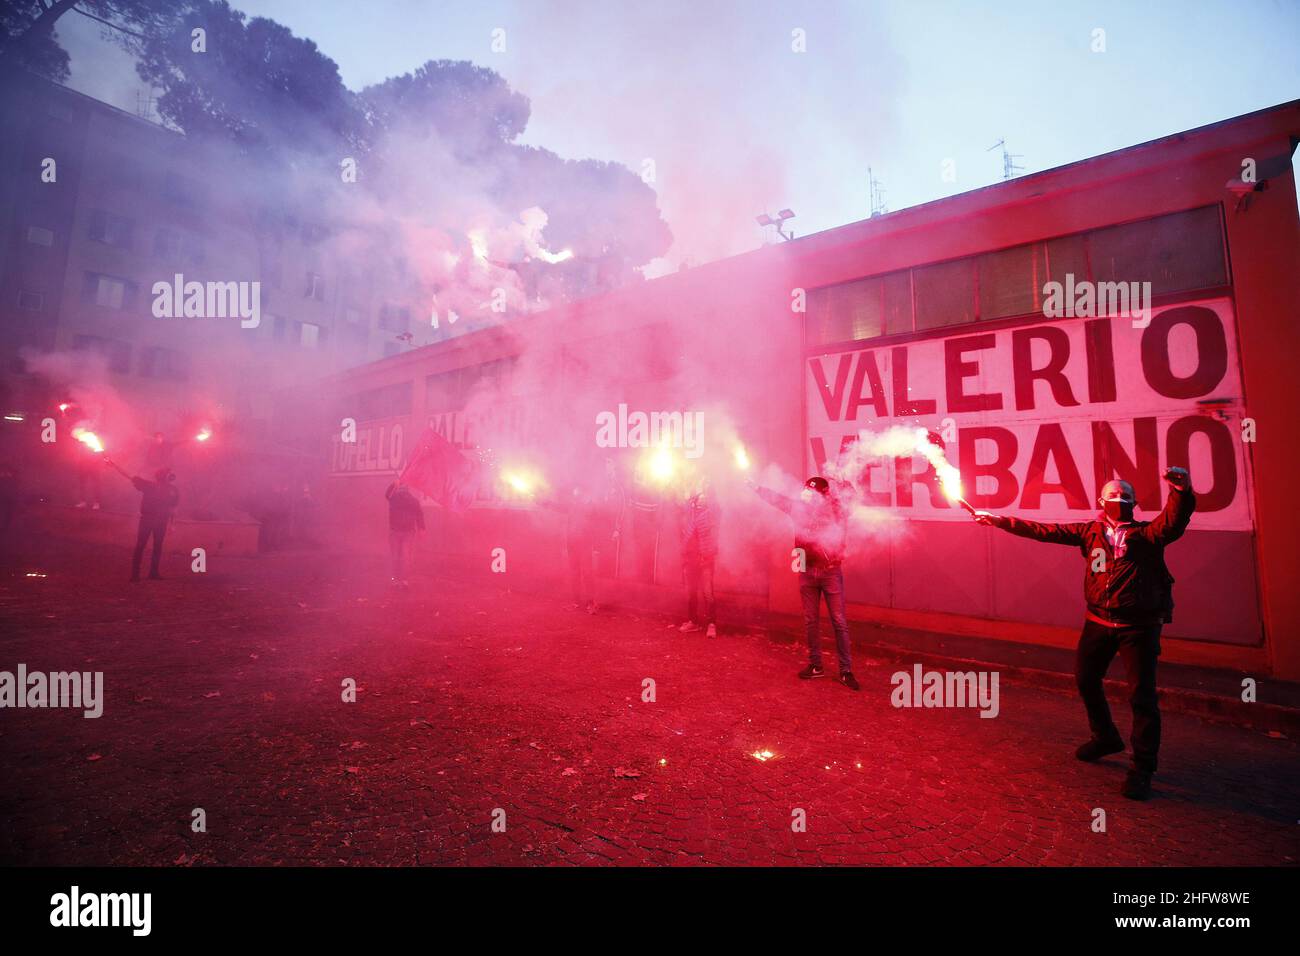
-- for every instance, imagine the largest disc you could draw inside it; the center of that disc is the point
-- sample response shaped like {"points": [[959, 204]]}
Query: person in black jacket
{"points": [[158, 499], [405, 518], [1129, 594]]}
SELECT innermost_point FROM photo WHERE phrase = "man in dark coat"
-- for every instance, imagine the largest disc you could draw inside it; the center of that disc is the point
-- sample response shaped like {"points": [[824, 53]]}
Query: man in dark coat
{"points": [[699, 538], [158, 499], [1129, 594], [405, 520]]}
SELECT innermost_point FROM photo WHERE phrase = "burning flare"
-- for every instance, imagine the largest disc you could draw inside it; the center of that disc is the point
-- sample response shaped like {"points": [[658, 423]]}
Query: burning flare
{"points": [[520, 480], [742, 458], [89, 439], [204, 434], [660, 465], [949, 476]]}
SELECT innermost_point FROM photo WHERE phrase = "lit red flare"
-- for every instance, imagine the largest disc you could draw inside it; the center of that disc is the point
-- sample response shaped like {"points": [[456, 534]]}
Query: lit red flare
{"points": [[949, 476], [660, 465], [89, 439], [742, 458], [521, 480], [204, 434]]}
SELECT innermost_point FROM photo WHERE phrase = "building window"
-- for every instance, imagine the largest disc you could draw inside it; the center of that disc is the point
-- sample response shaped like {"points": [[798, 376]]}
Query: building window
{"points": [[109, 292], [115, 352], [110, 229], [315, 287], [40, 236], [1011, 281], [1176, 253], [311, 336], [30, 301], [945, 294], [164, 363]]}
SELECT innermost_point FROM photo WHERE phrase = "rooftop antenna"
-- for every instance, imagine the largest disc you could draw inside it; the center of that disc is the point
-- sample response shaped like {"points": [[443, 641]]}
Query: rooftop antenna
{"points": [[877, 194], [144, 100], [779, 221], [1009, 167]]}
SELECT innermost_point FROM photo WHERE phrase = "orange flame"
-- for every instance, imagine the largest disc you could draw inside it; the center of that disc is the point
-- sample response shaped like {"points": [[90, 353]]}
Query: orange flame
{"points": [[89, 439], [949, 476]]}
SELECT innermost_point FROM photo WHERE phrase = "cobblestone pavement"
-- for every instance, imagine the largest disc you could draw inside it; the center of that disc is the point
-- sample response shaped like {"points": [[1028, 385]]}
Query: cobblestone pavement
{"points": [[223, 692]]}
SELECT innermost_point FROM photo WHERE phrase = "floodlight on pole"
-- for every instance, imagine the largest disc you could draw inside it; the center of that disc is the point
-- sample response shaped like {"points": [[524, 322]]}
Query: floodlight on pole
{"points": [[781, 218]]}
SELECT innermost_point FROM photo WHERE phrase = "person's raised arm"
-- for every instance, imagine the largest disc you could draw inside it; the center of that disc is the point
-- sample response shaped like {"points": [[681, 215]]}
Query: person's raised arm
{"points": [[1172, 521], [773, 498], [1053, 533]]}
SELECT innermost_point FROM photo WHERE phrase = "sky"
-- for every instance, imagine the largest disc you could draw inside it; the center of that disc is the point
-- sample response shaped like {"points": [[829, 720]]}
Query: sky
{"points": [[713, 99]]}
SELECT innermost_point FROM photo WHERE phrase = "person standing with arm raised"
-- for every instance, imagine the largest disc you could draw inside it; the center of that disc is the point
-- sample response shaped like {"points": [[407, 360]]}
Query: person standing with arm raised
{"points": [[1129, 595]]}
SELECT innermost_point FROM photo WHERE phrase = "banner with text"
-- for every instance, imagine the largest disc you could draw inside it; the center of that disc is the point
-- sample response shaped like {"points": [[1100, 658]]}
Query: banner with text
{"points": [[1038, 417]]}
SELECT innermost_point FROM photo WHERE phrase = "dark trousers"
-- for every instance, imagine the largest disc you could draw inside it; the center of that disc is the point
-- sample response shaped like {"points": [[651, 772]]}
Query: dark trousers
{"points": [[149, 527], [1139, 648], [582, 571], [813, 584], [400, 546], [699, 590]]}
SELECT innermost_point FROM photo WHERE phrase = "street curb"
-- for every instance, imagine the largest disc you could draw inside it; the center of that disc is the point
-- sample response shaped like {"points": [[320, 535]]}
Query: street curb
{"points": [[1265, 718]]}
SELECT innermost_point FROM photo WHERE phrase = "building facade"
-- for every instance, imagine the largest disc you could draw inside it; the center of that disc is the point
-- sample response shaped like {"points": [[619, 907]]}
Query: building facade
{"points": [[1113, 317]]}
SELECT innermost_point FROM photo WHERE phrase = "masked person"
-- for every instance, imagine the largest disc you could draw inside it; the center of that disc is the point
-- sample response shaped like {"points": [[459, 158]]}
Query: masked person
{"points": [[1129, 594], [821, 535], [158, 499], [699, 537], [405, 520]]}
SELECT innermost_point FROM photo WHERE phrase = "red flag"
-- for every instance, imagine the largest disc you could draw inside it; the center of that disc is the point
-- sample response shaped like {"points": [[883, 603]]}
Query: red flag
{"points": [[441, 472]]}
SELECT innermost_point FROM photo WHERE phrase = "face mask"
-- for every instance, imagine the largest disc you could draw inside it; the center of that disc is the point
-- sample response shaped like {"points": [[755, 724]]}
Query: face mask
{"points": [[1117, 510]]}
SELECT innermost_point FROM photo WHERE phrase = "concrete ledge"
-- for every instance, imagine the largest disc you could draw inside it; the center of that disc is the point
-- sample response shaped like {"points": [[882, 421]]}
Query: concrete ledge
{"points": [[1202, 692]]}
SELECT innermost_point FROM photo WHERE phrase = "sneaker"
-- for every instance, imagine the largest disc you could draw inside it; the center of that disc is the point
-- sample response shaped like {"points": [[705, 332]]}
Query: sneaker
{"points": [[811, 671], [1095, 749], [849, 681], [690, 627], [95, 506], [713, 631], [1137, 785], [79, 504]]}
